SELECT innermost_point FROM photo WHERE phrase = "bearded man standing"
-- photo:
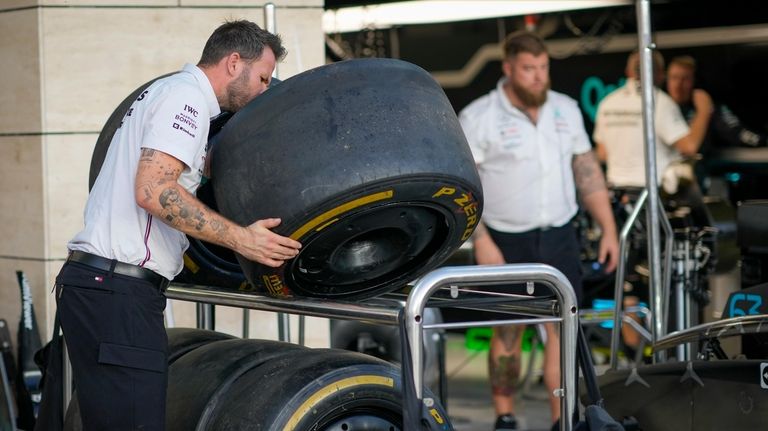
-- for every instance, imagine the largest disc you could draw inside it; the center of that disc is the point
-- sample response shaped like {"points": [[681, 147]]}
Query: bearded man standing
{"points": [[533, 155]]}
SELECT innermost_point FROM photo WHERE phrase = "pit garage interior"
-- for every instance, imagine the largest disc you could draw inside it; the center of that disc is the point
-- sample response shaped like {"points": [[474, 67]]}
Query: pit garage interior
{"points": [[68, 64]]}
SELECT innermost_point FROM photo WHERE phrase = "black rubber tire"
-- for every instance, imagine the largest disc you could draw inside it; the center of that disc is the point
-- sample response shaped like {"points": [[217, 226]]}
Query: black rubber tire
{"points": [[184, 340], [383, 342], [204, 263], [365, 163], [114, 122], [262, 385], [198, 381]]}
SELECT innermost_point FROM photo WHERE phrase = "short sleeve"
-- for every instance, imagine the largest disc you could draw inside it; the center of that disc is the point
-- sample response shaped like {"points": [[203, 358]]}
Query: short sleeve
{"points": [[581, 143], [670, 123], [177, 123]]}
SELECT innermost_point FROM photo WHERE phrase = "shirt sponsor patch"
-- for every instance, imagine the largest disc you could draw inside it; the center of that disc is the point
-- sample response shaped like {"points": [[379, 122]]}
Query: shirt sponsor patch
{"points": [[185, 120], [183, 129], [510, 135]]}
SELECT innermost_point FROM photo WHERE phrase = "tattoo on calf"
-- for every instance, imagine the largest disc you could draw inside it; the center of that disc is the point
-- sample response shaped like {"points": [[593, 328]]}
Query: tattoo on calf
{"points": [[504, 373]]}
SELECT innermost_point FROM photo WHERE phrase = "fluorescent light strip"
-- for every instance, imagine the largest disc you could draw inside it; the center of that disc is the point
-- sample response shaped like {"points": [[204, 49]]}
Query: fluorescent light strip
{"points": [[386, 15]]}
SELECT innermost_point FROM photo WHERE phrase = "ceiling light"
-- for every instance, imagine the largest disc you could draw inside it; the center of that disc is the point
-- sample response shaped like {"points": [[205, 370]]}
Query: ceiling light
{"points": [[386, 15]]}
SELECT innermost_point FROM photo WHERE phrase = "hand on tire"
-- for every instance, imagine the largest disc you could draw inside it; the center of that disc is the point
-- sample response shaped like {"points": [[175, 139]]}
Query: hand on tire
{"points": [[266, 247]]}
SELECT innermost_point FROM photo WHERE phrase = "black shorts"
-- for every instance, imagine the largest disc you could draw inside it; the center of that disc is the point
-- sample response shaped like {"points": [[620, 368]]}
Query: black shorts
{"points": [[558, 247]]}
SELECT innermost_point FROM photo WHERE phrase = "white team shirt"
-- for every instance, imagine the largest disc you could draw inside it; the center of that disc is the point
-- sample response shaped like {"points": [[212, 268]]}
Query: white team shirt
{"points": [[619, 127], [172, 116], [525, 169]]}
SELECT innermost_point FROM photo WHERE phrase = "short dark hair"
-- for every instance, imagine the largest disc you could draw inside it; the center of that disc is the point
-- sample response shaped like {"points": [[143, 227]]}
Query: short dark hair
{"points": [[523, 41], [244, 37]]}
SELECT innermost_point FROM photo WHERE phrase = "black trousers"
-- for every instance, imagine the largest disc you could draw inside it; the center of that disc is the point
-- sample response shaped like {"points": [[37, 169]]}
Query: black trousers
{"points": [[114, 331], [557, 246]]}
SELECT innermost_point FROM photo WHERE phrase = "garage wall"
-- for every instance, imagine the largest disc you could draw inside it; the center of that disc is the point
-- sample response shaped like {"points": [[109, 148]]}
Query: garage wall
{"points": [[66, 65]]}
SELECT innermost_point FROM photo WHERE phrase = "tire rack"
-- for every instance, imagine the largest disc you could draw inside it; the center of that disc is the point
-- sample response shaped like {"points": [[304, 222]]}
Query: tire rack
{"points": [[444, 287]]}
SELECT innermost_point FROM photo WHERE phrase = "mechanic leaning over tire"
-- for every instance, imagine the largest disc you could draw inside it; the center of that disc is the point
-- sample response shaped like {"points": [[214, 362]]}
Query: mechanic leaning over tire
{"points": [[110, 291]]}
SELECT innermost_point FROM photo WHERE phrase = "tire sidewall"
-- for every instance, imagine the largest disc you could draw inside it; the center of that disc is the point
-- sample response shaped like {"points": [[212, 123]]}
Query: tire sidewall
{"points": [[450, 196]]}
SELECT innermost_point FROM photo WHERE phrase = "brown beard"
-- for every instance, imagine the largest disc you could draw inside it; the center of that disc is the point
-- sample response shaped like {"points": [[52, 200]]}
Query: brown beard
{"points": [[237, 92], [529, 99]]}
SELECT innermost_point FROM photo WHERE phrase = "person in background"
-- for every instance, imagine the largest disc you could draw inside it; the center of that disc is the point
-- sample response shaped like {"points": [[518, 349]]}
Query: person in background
{"points": [[620, 143], [725, 128], [618, 132], [533, 155], [110, 291]]}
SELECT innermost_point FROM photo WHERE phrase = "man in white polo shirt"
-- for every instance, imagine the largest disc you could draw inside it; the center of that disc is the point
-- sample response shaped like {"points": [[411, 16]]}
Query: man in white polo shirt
{"points": [[110, 292], [620, 142], [618, 131], [533, 154]]}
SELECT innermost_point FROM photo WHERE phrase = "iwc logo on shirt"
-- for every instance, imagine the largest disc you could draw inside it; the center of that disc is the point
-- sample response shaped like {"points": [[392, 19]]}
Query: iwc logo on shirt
{"points": [[186, 120]]}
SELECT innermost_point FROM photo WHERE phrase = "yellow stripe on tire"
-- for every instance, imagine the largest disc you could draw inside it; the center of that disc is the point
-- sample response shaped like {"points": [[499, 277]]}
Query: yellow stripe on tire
{"points": [[331, 389], [325, 218]]}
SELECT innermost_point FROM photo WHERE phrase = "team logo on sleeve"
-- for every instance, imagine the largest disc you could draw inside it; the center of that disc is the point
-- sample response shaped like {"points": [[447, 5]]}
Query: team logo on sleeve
{"points": [[186, 121]]}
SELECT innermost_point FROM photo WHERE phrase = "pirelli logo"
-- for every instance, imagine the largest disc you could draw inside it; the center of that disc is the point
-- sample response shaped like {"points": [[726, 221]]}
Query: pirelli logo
{"points": [[436, 416], [466, 203], [274, 285]]}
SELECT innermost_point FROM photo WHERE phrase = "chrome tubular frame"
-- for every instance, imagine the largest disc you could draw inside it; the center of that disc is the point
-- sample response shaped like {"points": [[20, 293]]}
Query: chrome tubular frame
{"points": [[487, 275], [439, 287], [661, 291]]}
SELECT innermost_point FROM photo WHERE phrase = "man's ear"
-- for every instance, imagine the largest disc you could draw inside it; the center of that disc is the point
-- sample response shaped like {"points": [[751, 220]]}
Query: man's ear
{"points": [[233, 63], [506, 67]]}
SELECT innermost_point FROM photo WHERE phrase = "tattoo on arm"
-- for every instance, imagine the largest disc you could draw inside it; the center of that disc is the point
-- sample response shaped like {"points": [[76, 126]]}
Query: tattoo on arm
{"points": [[147, 154], [177, 211], [173, 209], [587, 174], [177, 207]]}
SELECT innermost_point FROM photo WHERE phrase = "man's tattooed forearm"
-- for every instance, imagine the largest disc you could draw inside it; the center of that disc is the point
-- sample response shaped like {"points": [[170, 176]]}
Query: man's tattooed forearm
{"points": [[177, 211], [169, 201], [587, 174]]}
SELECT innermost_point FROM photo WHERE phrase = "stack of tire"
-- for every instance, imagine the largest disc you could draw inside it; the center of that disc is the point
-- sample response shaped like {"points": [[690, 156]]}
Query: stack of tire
{"points": [[217, 382], [365, 163]]}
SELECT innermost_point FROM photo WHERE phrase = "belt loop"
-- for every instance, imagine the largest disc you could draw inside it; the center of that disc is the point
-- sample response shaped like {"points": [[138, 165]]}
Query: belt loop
{"points": [[112, 265]]}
